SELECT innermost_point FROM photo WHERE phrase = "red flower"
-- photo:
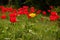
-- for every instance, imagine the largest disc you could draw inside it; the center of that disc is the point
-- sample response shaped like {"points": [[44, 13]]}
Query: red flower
{"points": [[13, 15], [44, 12], [38, 11], [10, 9], [1, 7], [20, 9], [12, 19], [20, 12], [4, 10], [28, 16], [3, 16], [25, 7], [51, 7], [54, 13], [25, 12], [14, 11], [53, 18], [32, 9], [49, 11]]}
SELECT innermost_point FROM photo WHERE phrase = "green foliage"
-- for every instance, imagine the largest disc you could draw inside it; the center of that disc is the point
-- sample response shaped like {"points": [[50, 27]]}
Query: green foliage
{"points": [[58, 9], [28, 29]]}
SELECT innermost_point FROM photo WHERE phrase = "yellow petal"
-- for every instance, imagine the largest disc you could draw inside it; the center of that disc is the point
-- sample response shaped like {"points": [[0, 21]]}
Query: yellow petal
{"points": [[32, 14]]}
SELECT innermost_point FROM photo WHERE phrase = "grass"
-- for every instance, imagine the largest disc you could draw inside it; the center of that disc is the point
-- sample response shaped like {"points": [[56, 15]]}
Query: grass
{"points": [[29, 29]]}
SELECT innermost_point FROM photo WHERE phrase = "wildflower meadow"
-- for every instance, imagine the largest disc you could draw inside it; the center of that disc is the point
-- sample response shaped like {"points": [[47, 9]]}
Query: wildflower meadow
{"points": [[29, 23]]}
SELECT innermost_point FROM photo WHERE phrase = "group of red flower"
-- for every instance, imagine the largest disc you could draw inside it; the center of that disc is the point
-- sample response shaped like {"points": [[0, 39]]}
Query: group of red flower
{"points": [[25, 10], [54, 16], [13, 13]]}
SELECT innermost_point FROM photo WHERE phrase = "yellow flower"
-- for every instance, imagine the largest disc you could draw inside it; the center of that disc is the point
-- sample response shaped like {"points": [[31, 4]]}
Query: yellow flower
{"points": [[32, 14]]}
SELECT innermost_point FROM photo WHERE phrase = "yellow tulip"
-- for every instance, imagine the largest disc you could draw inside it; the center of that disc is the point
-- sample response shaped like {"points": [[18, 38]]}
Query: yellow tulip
{"points": [[32, 14]]}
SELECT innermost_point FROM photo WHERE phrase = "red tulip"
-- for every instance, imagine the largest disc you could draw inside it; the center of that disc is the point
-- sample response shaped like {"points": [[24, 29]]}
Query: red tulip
{"points": [[49, 11], [54, 17], [28, 16], [13, 15], [3, 16], [1, 7], [54, 13], [10, 9], [12, 19], [14, 11], [51, 7], [25, 12], [20, 9], [32, 9], [38, 11], [4, 10], [20, 12], [44, 12], [25, 7]]}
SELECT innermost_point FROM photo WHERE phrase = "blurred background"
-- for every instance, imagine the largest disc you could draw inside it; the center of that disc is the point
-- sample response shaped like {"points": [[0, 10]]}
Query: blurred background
{"points": [[40, 4], [37, 28]]}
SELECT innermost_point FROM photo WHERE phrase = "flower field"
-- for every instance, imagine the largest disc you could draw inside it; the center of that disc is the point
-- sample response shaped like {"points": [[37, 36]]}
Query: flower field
{"points": [[29, 23]]}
